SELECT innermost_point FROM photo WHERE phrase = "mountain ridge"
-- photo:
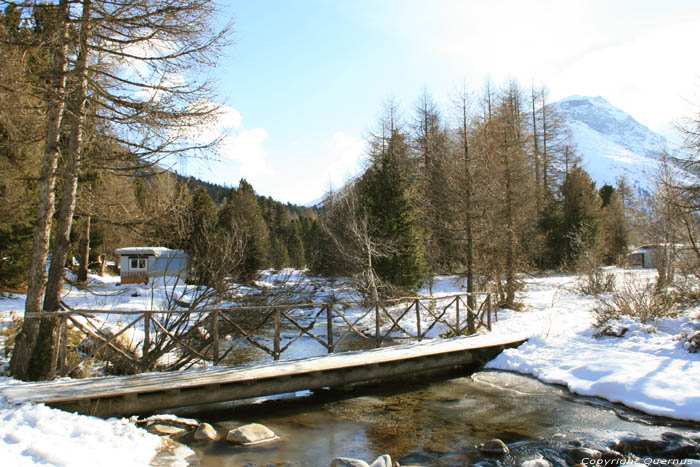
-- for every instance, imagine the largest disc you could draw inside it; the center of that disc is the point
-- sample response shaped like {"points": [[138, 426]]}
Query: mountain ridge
{"points": [[611, 142]]}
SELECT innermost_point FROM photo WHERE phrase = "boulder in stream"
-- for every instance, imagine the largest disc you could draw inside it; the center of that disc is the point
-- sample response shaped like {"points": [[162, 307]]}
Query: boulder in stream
{"points": [[348, 462], [495, 447], [253, 433], [205, 431]]}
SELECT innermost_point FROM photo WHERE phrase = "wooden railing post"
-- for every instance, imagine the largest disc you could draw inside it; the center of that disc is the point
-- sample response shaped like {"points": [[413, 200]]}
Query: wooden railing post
{"points": [[146, 339], [215, 335], [56, 341], [63, 352], [377, 334], [277, 334], [488, 312], [418, 326], [470, 320], [329, 327], [457, 315]]}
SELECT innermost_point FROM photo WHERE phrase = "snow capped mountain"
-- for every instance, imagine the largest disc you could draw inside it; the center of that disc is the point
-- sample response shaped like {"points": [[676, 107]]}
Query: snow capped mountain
{"points": [[611, 142]]}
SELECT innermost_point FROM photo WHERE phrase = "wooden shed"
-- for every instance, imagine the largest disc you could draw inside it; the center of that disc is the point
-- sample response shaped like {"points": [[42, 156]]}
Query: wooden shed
{"points": [[139, 264]]}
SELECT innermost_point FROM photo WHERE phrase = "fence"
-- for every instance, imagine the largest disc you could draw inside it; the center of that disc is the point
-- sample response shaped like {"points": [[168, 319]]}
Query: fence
{"points": [[196, 334]]}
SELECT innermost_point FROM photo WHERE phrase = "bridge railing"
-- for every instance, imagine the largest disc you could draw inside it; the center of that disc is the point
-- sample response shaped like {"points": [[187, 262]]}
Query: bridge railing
{"points": [[191, 336]]}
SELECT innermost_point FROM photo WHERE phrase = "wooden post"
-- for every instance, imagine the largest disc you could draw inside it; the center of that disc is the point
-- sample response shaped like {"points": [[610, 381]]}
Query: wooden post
{"points": [[146, 339], [470, 320], [215, 335], [420, 337], [329, 324], [277, 334], [56, 338], [488, 312], [377, 334], [457, 315], [63, 353]]}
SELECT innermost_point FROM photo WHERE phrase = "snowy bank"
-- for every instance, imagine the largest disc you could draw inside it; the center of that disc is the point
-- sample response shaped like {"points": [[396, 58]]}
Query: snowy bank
{"points": [[648, 369], [34, 434]]}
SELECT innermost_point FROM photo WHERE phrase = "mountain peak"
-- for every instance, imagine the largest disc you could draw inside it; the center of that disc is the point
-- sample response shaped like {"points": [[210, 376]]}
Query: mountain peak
{"points": [[610, 141]]}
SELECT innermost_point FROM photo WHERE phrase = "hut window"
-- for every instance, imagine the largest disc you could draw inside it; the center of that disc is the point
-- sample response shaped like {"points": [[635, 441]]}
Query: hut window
{"points": [[137, 263]]}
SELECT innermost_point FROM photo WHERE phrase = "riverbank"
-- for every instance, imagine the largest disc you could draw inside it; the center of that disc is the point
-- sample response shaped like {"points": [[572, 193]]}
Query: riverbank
{"points": [[647, 369]]}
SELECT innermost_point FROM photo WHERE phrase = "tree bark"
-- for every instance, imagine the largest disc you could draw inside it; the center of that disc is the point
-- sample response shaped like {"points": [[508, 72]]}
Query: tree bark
{"points": [[25, 341], [84, 253]]}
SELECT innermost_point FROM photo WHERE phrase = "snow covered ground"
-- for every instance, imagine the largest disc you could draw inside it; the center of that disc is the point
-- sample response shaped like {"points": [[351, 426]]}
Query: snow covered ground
{"points": [[647, 369]]}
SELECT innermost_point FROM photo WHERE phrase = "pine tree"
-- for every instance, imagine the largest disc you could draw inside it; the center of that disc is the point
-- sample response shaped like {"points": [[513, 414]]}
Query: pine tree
{"points": [[580, 215], [386, 192], [615, 233], [242, 212], [295, 246]]}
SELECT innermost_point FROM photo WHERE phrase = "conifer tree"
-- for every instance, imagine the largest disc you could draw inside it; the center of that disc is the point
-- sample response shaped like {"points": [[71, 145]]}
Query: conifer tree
{"points": [[242, 212], [386, 193], [580, 215], [295, 246]]}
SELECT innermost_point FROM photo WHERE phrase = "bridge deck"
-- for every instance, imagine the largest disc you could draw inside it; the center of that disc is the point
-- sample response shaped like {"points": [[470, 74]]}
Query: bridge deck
{"points": [[106, 396]]}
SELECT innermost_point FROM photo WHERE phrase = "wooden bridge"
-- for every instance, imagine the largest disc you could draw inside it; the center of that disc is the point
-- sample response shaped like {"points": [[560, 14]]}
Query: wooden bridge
{"points": [[196, 335], [126, 395]]}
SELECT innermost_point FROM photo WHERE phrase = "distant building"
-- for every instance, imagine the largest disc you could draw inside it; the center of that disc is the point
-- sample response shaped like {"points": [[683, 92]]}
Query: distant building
{"points": [[646, 256], [138, 264]]}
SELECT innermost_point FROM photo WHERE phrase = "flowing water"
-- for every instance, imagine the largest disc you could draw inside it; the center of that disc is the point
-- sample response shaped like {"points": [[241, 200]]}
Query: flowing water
{"points": [[425, 423]]}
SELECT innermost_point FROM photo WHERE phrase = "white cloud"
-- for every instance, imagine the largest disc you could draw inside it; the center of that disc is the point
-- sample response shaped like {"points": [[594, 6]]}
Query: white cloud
{"points": [[632, 52], [342, 155], [246, 147]]}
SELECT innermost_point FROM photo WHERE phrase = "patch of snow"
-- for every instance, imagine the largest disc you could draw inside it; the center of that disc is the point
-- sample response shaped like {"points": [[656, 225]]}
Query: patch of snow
{"points": [[34, 434], [647, 369]]}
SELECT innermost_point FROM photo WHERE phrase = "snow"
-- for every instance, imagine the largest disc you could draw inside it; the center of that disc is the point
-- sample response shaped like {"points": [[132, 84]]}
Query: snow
{"points": [[611, 142], [34, 434], [648, 369]]}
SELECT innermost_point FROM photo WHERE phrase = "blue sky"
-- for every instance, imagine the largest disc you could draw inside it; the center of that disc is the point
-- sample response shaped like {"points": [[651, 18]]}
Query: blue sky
{"points": [[305, 82]]}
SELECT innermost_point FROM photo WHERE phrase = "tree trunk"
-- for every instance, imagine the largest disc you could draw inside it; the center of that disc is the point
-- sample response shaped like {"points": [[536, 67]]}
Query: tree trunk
{"points": [[24, 343], [84, 252], [42, 364]]}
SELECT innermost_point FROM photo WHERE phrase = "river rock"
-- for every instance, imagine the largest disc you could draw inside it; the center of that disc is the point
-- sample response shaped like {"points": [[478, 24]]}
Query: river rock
{"points": [[167, 430], [495, 447], [536, 463], [205, 431], [382, 461], [251, 434], [576, 455], [348, 462]]}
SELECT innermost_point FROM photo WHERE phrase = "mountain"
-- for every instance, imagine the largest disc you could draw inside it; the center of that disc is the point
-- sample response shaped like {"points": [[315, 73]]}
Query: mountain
{"points": [[611, 142]]}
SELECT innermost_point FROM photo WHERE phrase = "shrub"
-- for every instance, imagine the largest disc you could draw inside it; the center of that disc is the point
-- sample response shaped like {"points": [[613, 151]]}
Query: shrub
{"points": [[641, 300], [596, 282]]}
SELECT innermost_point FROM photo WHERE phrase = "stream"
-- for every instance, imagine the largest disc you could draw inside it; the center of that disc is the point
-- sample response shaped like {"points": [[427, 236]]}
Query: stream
{"points": [[439, 422]]}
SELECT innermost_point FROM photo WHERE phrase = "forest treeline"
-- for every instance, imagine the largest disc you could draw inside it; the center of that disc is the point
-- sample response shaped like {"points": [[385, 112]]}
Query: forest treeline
{"points": [[488, 188], [96, 98]]}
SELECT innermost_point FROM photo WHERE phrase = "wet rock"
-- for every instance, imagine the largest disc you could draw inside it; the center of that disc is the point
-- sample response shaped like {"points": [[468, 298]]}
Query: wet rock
{"points": [[575, 443], [252, 433], [382, 461], [419, 458], [348, 462], [693, 343], [611, 331], [536, 463], [673, 437], [168, 430], [681, 451], [205, 431], [578, 455], [610, 455], [495, 447]]}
